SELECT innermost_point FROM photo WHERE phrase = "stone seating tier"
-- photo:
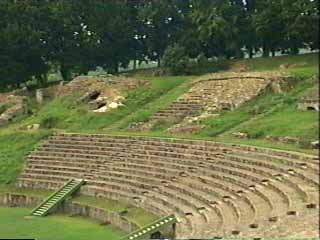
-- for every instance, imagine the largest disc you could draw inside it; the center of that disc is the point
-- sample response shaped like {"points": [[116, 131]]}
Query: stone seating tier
{"points": [[214, 189]]}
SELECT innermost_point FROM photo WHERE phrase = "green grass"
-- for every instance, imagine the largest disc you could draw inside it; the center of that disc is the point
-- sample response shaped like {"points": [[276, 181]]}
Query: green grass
{"points": [[13, 148], [288, 123], [13, 224], [273, 63]]}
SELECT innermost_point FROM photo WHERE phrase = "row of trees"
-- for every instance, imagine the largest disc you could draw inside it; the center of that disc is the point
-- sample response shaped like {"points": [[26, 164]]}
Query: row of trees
{"points": [[75, 36]]}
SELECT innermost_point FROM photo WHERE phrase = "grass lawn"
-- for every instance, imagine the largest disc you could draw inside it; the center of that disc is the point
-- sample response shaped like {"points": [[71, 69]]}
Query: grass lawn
{"points": [[13, 224]]}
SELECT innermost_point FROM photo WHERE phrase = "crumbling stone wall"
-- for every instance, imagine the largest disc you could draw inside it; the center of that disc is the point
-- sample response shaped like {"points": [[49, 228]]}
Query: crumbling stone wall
{"points": [[101, 93], [14, 106]]}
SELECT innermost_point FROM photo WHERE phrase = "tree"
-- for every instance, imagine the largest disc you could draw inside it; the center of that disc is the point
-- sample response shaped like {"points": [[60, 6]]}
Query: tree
{"points": [[161, 21], [301, 20], [61, 39], [109, 24], [21, 47], [220, 25]]}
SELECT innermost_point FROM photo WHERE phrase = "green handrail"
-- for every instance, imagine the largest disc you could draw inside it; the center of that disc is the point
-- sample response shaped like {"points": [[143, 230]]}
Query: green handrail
{"points": [[62, 198], [50, 196], [150, 228]]}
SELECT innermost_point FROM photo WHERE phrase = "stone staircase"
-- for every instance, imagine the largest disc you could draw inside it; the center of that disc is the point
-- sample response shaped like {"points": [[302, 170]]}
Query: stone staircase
{"points": [[213, 189], [215, 93]]}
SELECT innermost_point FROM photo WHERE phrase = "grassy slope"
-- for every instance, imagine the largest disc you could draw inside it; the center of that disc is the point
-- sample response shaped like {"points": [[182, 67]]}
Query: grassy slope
{"points": [[275, 113], [57, 227], [280, 116], [270, 114], [13, 148]]}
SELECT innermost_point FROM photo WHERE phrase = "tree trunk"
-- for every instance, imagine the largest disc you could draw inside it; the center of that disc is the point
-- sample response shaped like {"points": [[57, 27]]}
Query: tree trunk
{"points": [[250, 53], [64, 72], [266, 51], [294, 51], [135, 63], [116, 67], [159, 61], [239, 53], [42, 80]]}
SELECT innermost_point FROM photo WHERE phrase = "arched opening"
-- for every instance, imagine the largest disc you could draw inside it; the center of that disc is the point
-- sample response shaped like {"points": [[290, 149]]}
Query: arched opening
{"points": [[156, 235], [311, 108], [94, 95]]}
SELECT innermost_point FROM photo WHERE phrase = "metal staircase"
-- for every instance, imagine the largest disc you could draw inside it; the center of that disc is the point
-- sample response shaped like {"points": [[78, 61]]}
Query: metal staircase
{"points": [[57, 197]]}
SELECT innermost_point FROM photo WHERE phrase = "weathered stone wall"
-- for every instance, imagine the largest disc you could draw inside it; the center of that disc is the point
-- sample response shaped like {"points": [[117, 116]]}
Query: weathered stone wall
{"points": [[305, 105], [74, 208]]}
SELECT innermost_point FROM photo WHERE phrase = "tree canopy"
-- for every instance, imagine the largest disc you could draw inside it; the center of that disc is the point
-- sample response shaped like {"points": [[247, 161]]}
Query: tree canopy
{"points": [[78, 36]]}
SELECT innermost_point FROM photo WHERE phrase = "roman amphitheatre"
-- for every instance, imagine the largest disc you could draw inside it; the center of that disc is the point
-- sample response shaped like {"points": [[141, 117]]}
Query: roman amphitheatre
{"points": [[162, 176], [136, 120]]}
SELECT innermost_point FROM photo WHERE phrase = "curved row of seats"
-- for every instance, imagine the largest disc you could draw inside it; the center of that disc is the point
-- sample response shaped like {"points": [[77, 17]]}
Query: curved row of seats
{"points": [[214, 189]]}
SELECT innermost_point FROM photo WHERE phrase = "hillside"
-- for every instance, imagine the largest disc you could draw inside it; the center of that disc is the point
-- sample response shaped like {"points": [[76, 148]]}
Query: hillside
{"points": [[263, 120], [245, 108]]}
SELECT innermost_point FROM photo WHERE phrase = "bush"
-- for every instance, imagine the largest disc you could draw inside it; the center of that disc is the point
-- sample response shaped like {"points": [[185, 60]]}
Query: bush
{"points": [[205, 65], [49, 122], [179, 63], [256, 134], [175, 59]]}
